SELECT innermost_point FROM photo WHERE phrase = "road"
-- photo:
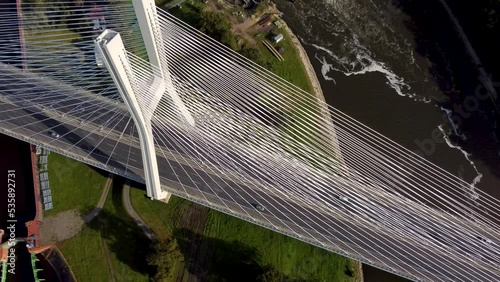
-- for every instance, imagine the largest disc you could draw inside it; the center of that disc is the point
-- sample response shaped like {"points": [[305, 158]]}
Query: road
{"points": [[102, 200], [376, 228], [348, 227]]}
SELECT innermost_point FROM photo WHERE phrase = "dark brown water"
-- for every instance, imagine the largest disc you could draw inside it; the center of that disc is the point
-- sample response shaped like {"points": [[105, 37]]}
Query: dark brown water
{"points": [[16, 156], [401, 68]]}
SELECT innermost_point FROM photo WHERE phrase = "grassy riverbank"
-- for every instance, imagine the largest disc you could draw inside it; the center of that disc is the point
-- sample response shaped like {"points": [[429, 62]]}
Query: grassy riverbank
{"points": [[217, 245], [248, 41], [220, 246]]}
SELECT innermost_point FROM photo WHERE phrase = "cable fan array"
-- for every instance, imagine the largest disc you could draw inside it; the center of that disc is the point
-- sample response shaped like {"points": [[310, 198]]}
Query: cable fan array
{"points": [[255, 140]]}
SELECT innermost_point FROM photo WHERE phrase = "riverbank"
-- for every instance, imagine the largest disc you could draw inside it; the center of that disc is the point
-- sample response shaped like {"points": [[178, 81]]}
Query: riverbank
{"points": [[409, 42], [320, 98], [317, 91]]}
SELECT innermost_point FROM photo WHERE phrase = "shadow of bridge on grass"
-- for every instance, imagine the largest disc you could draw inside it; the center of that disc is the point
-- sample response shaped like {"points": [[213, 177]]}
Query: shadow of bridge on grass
{"points": [[122, 237], [212, 259]]}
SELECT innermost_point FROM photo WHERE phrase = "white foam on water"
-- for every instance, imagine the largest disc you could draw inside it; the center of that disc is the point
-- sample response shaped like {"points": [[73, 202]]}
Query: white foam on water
{"points": [[472, 186], [454, 127], [361, 65], [325, 68]]}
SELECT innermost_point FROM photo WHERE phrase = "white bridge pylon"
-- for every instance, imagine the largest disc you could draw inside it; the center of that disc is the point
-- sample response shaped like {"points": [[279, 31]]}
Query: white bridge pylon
{"points": [[112, 50]]}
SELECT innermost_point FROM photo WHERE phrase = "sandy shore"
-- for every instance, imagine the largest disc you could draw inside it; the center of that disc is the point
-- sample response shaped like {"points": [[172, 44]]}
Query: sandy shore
{"points": [[320, 98], [318, 93], [313, 78]]}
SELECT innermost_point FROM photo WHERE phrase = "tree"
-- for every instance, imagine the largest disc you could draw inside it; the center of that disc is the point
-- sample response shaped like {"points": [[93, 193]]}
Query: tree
{"points": [[217, 26], [253, 54], [165, 254], [250, 52]]}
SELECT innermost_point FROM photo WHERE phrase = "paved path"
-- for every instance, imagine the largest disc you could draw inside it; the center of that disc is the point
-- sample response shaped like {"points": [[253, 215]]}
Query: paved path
{"points": [[131, 211], [98, 208]]}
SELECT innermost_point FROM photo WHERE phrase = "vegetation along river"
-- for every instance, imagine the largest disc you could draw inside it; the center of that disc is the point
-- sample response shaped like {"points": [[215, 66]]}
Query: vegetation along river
{"points": [[412, 70]]}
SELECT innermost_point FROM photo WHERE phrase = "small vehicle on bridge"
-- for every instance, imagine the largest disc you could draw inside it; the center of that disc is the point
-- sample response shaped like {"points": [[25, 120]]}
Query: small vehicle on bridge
{"points": [[343, 198], [259, 207], [485, 240], [54, 134]]}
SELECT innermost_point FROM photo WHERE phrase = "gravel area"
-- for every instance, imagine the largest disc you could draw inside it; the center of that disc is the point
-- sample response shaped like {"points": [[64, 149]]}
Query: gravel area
{"points": [[60, 227]]}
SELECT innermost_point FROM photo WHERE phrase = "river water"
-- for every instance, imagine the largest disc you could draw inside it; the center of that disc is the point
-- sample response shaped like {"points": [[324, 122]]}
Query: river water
{"points": [[401, 68]]}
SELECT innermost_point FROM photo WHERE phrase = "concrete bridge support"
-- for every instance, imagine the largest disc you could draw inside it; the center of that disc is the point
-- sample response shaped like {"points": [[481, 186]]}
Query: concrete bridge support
{"points": [[112, 50]]}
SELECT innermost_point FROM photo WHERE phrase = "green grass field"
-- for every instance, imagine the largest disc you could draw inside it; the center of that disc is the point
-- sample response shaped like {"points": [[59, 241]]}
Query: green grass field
{"points": [[111, 248], [235, 239], [74, 185], [291, 258], [291, 69], [84, 255], [162, 218]]}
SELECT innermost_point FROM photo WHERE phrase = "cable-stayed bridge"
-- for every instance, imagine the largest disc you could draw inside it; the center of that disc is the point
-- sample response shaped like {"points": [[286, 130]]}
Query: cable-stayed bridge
{"points": [[229, 135]]}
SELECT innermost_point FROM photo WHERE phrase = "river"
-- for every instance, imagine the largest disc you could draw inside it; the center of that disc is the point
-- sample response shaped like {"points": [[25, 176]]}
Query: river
{"points": [[16, 156], [403, 69]]}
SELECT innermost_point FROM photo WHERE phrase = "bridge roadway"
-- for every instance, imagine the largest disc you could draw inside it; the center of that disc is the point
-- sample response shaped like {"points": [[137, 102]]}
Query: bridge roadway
{"points": [[310, 223]]}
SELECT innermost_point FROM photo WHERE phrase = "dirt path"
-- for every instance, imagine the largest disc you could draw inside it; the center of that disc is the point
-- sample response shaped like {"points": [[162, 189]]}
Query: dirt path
{"points": [[360, 277], [112, 275], [133, 214], [98, 208], [68, 224]]}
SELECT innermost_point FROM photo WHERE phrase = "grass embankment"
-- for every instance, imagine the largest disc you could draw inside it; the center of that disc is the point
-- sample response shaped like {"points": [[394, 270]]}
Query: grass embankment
{"points": [[235, 248], [74, 185], [291, 258], [291, 69], [163, 218], [111, 248]]}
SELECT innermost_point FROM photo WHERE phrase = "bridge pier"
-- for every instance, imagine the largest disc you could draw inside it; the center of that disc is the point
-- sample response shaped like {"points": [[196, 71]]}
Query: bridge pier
{"points": [[147, 18], [111, 47]]}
